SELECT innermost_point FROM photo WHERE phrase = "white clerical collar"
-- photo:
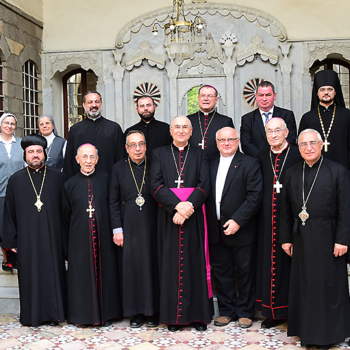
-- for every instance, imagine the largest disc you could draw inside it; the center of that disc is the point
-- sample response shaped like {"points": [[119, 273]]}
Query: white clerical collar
{"points": [[262, 113], [139, 162], [147, 122], [13, 139], [94, 119], [180, 148], [207, 112], [281, 150], [88, 173], [327, 108]]}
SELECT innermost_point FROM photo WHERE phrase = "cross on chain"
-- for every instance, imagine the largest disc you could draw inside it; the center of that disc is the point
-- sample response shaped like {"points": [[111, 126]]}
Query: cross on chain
{"points": [[326, 144], [179, 181], [277, 186], [90, 210], [201, 144]]}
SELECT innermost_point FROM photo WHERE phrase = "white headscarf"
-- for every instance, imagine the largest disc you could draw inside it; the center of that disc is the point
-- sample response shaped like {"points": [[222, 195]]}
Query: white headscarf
{"points": [[5, 115]]}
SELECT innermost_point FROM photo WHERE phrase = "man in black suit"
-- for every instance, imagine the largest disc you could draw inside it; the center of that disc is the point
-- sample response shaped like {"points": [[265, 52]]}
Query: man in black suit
{"points": [[253, 136], [207, 121], [235, 197]]}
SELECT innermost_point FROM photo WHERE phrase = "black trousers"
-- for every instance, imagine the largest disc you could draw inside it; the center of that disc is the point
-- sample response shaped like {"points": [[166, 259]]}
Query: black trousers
{"points": [[234, 265]]}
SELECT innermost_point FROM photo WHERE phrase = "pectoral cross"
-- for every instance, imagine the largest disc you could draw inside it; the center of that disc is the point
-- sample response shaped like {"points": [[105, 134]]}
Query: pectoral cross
{"points": [[201, 144], [326, 144], [179, 181], [277, 186], [90, 210], [9, 156]]}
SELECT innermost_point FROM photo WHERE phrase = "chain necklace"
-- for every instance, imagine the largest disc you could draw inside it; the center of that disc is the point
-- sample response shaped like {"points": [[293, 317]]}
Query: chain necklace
{"points": [[277, 185], [38, 202], [179, 181], [206, 129], [326, 143], [304, 215], [90, 210], [140, 201]]}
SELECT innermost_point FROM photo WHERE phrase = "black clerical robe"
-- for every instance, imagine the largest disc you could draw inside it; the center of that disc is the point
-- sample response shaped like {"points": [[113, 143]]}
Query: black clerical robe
{"points": [[105, 135], [157, 134], [319, 306], [93, 282], [200, 123], [139, 252], [273, 267], [339, 137], [184, 294], [40, 241]]}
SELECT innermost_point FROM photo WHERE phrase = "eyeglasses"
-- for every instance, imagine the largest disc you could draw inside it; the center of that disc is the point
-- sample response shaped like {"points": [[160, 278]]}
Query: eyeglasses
{"points": [[183, 127], [312, 144], [230, 141], [209, 97], [86, 157], [329, 89], [135, 145], [276, 131]]}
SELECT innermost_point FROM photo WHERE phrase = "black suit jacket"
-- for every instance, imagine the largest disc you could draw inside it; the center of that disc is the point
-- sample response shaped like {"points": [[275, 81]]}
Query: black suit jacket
{"points": [[240, 201], [253, 135]]}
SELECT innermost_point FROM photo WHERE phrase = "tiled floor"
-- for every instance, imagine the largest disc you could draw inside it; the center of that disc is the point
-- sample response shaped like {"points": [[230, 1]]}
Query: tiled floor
{"points": [[121, 337]]}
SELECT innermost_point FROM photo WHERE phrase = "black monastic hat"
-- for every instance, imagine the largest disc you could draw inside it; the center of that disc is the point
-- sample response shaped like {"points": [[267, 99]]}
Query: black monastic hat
{"points": [[33, 140], [327, 78]]}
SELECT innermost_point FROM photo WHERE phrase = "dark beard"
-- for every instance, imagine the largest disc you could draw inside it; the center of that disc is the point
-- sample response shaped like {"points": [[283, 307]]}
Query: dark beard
{"points": [[147, 117], [35, 166]]}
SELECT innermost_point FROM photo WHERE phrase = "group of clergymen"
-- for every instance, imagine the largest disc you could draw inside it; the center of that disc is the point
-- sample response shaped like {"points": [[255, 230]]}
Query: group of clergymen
{"points": [[143, 232]]}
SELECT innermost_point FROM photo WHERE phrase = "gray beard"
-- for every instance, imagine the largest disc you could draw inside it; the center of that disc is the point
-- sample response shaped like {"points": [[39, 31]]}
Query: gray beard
{"points": [[93, 114]]}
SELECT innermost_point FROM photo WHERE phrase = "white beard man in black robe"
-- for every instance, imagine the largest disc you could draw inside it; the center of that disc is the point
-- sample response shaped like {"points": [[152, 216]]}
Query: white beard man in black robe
{"points": [[185, 285], [328, 106], [315, 232], [273, 267], [34, 229], [207, 121], [93, 281], [156, 132], [134, 224], [105, 134]]}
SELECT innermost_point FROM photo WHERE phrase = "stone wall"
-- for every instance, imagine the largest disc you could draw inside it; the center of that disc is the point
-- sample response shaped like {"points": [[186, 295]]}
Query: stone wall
{"points": [[20, 40]]}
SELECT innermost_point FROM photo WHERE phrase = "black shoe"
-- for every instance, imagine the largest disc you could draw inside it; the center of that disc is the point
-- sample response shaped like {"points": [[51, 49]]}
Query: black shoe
{"points": [[173, 327], [137, 321], [306, 346], [106, 324], [6, 266], [52, 323], [324, 347], [152, 321], [200, 327], [269, 323]]}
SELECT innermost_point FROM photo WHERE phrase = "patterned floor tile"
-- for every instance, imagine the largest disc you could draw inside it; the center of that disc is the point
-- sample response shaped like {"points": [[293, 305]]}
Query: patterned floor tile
{"points": [[144, 346], [74, 345], [41, 344], [217, 336], [235, 330], [163, 342], [270, 331], [235, 343], [271, 344], [116, 334], [129, 341], [83, 333], [109, 345], [199, 343], [62, 339], [136, 330], [29, 338], [95, 340]]}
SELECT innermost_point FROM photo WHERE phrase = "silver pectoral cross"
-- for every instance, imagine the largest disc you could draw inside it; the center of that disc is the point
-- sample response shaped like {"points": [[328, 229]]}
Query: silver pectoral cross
{"points": [[277, 186], [10, 156], [201, 144], [179, 181], [38, 203], [326, 144], [90, 210]]}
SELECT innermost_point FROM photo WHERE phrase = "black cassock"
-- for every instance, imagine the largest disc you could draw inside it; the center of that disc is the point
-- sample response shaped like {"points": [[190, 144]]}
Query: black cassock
{"points": [[273, 267], [139, 252], [183, 277], [105, 135], [93, 281], [319, 306], [219, 121], [339, 137], [39, 238], [156, 133]]}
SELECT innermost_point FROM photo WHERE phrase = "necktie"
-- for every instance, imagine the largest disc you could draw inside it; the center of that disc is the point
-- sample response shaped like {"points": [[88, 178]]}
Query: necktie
{"points": [[267, 115]]}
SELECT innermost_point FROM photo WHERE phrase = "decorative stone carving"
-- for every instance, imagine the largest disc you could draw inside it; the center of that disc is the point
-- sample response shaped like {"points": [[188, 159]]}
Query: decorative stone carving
{"points": [[59, 62], [228, 41], [200, 62], [257, 47], [147, 89], [145, 52], [199, 1], [286, 69], [163, 15], [319, 50]]}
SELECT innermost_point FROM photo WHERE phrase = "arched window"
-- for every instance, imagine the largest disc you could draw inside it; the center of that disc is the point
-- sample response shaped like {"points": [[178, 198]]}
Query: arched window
{"points": [[75, 84], [1, 88], [343, 70]]}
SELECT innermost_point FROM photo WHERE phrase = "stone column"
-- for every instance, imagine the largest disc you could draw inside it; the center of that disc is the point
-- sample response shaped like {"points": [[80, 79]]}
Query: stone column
{"points": [[173, 71], [286, 69], [118, 74]]}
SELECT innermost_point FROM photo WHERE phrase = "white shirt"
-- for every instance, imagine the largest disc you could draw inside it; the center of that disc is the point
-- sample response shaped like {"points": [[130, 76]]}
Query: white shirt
{"points": [[8, 144], [224, 165], [263, 116]]}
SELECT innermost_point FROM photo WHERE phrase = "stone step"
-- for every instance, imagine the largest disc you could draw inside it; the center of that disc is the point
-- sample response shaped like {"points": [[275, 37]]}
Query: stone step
{"points": [[9, 293], [8, 279]]}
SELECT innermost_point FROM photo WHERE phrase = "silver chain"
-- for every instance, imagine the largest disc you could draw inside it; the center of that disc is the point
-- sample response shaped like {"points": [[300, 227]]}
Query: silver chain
{"points": [[305, 201], [177, 169]]}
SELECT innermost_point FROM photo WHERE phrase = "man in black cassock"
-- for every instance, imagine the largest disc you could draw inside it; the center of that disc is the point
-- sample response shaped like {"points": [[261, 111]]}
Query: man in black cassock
{"points": [[106, 135], [180, 184], [34, 229], [315, 232], [329, 117], [253, 136], [207, 121], [156, 132], [93, 281], [273, 267], [133, 213]]}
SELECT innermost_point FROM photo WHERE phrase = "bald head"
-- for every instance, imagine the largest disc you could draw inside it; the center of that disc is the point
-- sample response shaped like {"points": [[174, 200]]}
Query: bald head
{"points": [[276, 133], [181, 130]]}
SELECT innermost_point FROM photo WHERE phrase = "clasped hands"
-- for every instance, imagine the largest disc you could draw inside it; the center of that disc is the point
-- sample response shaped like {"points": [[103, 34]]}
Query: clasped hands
{"points": [[183, 211]]}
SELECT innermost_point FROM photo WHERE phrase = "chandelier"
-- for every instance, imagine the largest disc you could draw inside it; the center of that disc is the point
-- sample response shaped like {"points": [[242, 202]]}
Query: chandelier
{"points": [[180, 34]]}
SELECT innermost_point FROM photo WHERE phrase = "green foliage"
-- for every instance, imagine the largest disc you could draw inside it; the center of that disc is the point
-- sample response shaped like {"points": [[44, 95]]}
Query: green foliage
{"points": [[192, 100]]}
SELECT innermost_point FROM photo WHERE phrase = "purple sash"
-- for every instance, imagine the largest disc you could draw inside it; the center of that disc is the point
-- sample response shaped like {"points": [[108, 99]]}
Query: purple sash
{"points": [[183, 194]]}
